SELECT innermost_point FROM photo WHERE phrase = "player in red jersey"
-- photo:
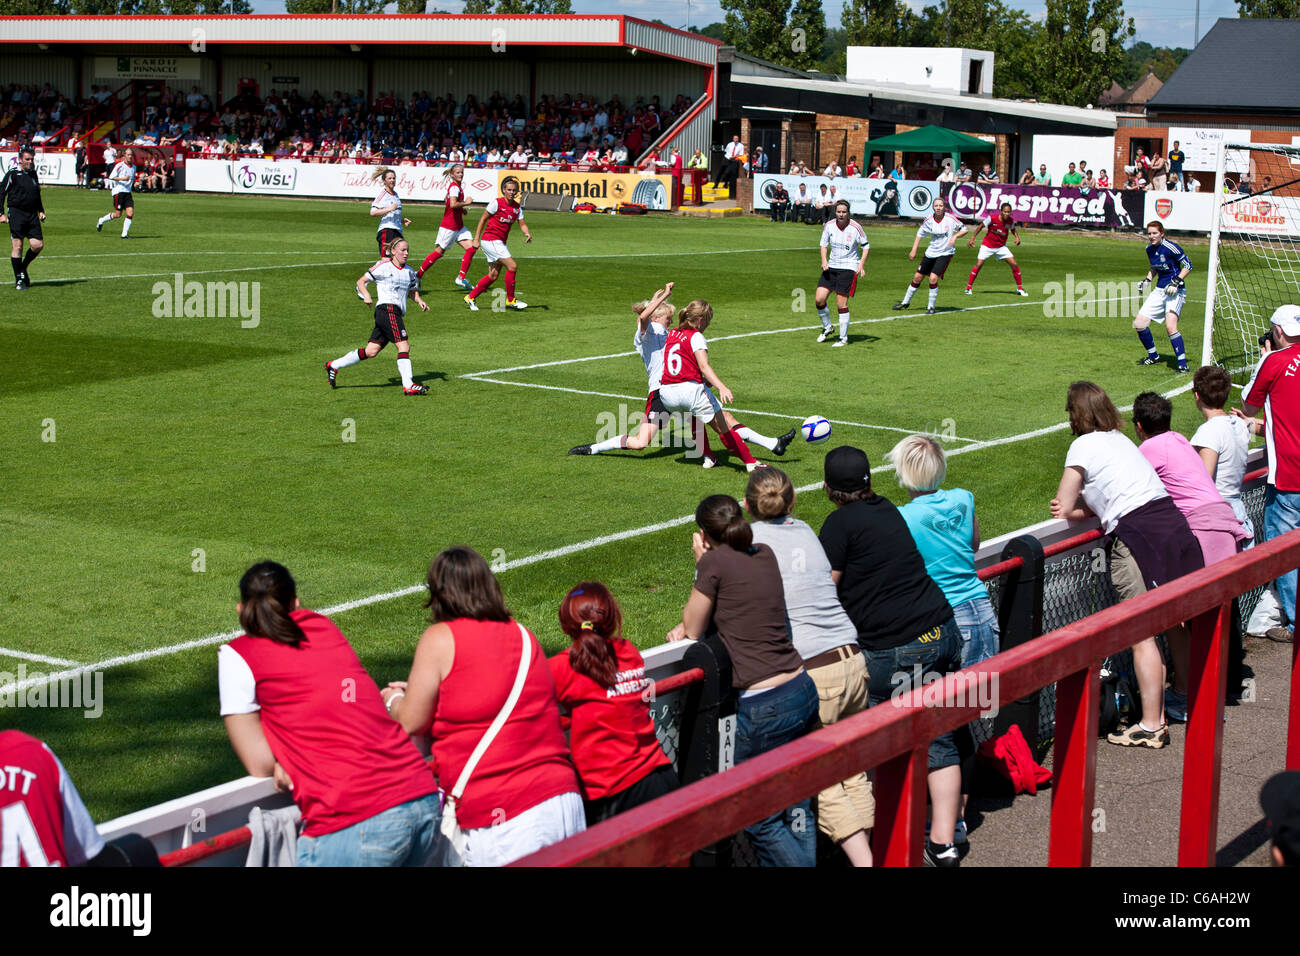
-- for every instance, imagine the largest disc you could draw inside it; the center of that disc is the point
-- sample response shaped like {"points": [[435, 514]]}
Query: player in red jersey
{"points": [[452, 228], [995, 244], [493, 229], [42, 819], [682, 389]]}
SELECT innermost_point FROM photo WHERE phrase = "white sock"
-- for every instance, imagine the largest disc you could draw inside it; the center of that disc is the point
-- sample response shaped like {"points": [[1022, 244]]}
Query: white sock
{"points": [[844, 326], [824, 313], [911, 291], [104, 219], [609, 444], [934, 295], [352, 357], [749, 435], [404, 368], [126, 225]]}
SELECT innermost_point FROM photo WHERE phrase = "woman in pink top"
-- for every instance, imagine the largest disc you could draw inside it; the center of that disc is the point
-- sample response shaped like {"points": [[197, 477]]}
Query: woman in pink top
{"points": [[523, 794]]}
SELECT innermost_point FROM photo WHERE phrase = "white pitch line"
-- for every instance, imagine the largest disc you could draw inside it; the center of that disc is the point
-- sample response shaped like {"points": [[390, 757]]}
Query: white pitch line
{"points": [[734, 411], [39, 658], [180, 252], [563, 551]]}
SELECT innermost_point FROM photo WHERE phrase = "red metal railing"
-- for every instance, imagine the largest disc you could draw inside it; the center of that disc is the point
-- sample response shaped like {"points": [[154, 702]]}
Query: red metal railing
{"points": [[895, 739], [242, 836]]}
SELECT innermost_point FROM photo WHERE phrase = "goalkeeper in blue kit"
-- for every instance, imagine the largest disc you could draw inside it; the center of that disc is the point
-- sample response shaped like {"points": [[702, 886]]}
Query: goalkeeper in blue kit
{"points": [[1169, 269]]}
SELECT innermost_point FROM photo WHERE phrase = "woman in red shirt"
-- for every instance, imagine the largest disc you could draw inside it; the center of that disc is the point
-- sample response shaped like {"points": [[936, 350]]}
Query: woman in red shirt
{"points": [[601, 684], [523, 794]]}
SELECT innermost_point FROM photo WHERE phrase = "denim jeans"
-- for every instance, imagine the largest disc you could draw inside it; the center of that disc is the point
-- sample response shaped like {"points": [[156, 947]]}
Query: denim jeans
{"points": [[979, 630], [893, 672], [1282, 514], [765, 721], [404, 835]]}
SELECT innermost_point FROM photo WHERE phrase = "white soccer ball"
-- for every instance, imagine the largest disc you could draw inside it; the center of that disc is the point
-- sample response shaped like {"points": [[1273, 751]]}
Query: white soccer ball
{"points": [[815, 429]]}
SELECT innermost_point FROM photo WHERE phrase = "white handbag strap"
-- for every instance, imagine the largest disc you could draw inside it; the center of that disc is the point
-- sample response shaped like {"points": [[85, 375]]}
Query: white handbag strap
{"points": [[525, 658]]}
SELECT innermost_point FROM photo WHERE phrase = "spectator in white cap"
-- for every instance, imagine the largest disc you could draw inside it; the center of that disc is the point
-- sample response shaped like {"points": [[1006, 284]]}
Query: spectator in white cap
{"points": [[1276, 388]]}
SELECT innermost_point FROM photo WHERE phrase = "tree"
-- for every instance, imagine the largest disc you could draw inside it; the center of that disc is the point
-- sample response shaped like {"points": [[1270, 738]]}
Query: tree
{"points": [[1080, 50], [756, 28], [879, 23], [807, 35], [1272, 9], [327, 6], [479, 7], [714, 31]]}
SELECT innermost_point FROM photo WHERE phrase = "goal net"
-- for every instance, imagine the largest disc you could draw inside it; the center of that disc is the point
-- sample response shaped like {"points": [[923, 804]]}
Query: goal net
{"points": [[1254, 251]]}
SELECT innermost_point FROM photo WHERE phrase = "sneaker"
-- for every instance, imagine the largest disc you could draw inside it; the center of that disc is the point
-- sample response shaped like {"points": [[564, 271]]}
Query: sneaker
{"points": [[708, 461], [18, 285], [462, 283], [783, 442], [516, 304], [900, 304], [1183, 369], [416, 389], [1282, 635], [473, 306], [959, 835], [945, 855], [930, 311], [970, 292], [840, 343], [581, 450], [1175, 706], [1022, 292], [99, 227], [1137, 736], [826, 334], [333, 373], [1149, 360], [754, 466], [25, 279]]}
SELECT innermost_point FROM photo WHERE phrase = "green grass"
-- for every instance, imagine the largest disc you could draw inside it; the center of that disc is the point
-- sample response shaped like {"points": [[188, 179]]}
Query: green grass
{"points": [[178, 434]]}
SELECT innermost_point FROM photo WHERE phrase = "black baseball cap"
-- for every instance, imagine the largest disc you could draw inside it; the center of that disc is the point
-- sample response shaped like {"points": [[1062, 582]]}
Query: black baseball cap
{"points": [[1280, 799], [847, 469]]}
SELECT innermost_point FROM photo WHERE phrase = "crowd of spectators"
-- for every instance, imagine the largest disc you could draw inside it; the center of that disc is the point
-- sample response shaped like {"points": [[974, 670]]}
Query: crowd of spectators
{"points": [[30, 114]]}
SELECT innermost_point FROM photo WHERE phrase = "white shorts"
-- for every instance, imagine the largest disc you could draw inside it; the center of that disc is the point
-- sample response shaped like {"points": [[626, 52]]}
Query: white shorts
{"points": [[495, 249], [1157, 306], [549, 822], [448, 237], [690, 397], [1002, 253]]}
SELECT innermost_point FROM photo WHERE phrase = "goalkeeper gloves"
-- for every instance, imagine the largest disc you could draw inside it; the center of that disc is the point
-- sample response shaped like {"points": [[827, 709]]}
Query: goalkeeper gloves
{"points": [[1143, 286], [1176, 286]]}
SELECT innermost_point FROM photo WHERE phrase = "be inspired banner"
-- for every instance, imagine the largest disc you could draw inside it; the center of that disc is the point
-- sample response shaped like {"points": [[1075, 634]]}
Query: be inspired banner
{"points": [[867, 197], [602, 190], [347, 180], [52, 169], [1050, 205]]}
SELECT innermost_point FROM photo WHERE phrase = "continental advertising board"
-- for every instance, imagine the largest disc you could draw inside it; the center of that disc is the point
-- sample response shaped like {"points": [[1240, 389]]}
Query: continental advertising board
{"points": [[602, 190]]}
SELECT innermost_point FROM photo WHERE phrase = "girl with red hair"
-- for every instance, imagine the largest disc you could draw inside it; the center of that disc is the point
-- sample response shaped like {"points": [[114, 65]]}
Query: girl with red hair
{"points": [[601, 684]]}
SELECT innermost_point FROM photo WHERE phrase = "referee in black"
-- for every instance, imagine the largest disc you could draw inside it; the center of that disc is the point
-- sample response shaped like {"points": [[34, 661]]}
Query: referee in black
{"points": [[22, 191]]}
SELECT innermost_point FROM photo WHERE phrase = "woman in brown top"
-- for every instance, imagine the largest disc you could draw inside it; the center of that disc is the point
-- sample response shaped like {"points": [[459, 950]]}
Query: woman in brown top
{"points": [[738, 591]]}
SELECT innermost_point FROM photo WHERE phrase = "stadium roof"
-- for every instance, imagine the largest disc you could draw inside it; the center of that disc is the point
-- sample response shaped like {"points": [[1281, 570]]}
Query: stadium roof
{"points": [[497, 32], [1239, 65]]}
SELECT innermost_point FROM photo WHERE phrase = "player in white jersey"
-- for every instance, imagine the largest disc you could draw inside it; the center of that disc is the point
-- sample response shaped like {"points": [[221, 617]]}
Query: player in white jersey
{"points": [[122, 180], [844, 249], [394, 281], [943, 230], [389, 208]]}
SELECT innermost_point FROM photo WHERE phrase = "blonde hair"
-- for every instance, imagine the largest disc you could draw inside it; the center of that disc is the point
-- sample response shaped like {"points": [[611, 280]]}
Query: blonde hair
{"points": [[446, 173], [694, 312], [664, 310], [380, 173], [920, 463], [769, 494]]}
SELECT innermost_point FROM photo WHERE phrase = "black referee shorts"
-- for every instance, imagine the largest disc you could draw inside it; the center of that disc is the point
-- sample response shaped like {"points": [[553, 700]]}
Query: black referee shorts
{"points": [[25, 225]]}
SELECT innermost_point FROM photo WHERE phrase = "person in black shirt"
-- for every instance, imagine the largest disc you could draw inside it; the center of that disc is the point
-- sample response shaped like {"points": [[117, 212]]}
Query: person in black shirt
{"points": [[22, 191], [905, 624]]}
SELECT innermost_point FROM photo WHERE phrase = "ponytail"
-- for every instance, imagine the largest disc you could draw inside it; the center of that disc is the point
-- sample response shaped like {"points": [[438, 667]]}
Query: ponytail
{"points": [[266, 595], [720, 517], [591, 617]]}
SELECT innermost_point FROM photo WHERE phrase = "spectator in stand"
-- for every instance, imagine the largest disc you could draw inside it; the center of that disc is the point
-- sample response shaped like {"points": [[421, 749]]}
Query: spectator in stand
{"points": [[759, 162], [43, 820], [963, 174], [877, 169], [802, 205], [852, 170], [904, 627], [1149, 542], [1159, 172], [697, 161], [1072, 178], [730, 167], [1042, 179], [602, 689], [779, 204], [1131, 181], [738, 592], [1243, 186], [946, 178], [1274, 389], [987, 175], [897, 173], [1027, 179], [523, 794], [832, 170], [367, 797], [1089, 181], [826, 640], [1212, 521]]}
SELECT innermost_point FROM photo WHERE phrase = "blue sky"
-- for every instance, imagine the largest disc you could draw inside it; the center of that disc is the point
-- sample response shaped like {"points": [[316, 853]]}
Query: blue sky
{"points": [[1160, 24]]}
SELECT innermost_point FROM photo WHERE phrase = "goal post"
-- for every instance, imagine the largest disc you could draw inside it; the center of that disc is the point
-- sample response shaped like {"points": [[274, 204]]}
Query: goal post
{"points": [[1254, 251]]}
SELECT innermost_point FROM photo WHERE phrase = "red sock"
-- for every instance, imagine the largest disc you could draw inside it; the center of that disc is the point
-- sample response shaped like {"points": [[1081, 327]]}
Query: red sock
{"points": [[970, 280], [1015, 274], [429, 260], [465, 259], [510, 284], [361, 355], [737, 445], [696, 429], [483, 283]]}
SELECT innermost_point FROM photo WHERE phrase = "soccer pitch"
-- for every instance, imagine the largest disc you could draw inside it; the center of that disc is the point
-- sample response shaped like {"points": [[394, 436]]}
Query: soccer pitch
{"points": [[148, 457]]}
